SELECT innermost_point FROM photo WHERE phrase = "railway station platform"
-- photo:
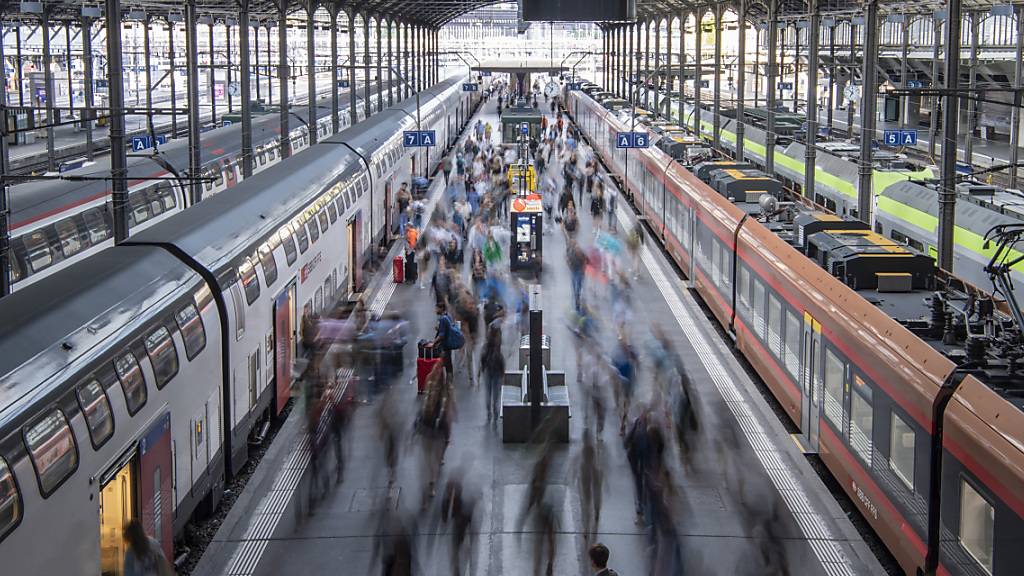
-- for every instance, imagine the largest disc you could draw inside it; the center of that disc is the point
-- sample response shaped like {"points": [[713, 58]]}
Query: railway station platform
{"points": [[747, 465]]}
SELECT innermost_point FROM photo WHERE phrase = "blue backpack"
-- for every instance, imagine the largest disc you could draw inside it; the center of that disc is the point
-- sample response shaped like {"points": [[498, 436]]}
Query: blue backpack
{"points": [[456, 339]]}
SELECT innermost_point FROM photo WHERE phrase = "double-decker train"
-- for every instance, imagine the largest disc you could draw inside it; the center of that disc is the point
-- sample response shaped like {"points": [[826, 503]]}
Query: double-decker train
{"points": [[132, 381], [911, 395]]}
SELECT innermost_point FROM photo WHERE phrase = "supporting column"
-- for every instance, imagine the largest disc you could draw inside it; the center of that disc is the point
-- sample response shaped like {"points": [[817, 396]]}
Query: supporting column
{"points": [[682, 66], [657, 67], [150, 128], [741, 76], [950, 125], [353, 115], [118, 153], [391, 62], [283, 74], [171, 74], [630, 71], [698, 69], [380, 75], [227, 65], [832, 73], [850, 105], [407, 69], [770, 94], [796, 69], [972, 103], [933, 130], [71, 76], [44, 25], [905, 41], [335, 98], [311, 72], [716, 135], [244, 80], [604, 57], [1018, 73], [813, 35], [256, 54], [780, 70], [192, 72], [88, 113], [868, 97], [270, 77], [645, 76], [668, 67], [5, 157], [366, 65], [757, 66], [213, 76]]}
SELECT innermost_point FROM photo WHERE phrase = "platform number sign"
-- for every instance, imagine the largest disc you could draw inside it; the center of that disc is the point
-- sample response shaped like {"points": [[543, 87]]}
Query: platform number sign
{"points": [[574, 85], [524, 128], [419, 138], [470, 87], [343, 84], [900, 137], [632, 140]]}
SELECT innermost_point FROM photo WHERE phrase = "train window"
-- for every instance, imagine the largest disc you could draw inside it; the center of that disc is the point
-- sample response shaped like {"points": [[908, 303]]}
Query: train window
{"points": [[328, 292], [97, 226], [322, 217], [318, 301], [861, 420], [835, 375], [251, 284], [340, 201], [10, 500], [166, 194], [16, 273], [314, 231], [901, 450], [70, 241], [289, 245], [774, 326], [332, 211], [207, 179], [190, 324], [37, 247], [162, 355], [743, 289], [757, 305], [300, 233], [792, 351], [269, 264], [218, 177], [714, 263], [139, 207], [132, 382], [95, 405], [261, 156], [153, 197], [977, 525], [51, 445]]}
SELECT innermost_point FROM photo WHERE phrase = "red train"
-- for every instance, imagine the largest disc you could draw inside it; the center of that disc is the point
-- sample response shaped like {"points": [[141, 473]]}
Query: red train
{"points": [[931, 452]]}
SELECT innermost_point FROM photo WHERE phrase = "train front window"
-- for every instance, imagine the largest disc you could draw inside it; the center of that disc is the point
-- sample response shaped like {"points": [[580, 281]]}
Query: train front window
{"points": [[132, 382], [10, 501], [94, 404], [977, 525], [51, 445], [162, 355], [190, 324], [37, 247]]}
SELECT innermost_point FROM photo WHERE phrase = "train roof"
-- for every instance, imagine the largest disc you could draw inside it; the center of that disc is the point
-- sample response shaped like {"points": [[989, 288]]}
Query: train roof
{"points": [[65, 318], [969, 215]]}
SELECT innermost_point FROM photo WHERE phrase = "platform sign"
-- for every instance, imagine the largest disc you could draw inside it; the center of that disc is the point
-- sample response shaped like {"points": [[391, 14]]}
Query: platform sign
{"points": [[485, 73], [899, 137], [915, 84], [705, 84], [470, 87], [343, 84], [524, 128], [419, 138], [785, 85], [632, 140], [574, 85]]}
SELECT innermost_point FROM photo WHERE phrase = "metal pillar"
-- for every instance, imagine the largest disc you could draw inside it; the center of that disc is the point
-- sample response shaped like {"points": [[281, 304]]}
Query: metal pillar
{"points": [[813, 36], [212, 79], [118, 154], [391, 62], [682, 66], [192, 71], [146, 57], [757, 66], [352, 113], [19, 70], [311, 73], [657, 67], [245, 80], [933, 130], [770, 95], [5, 156], [380, 76], [171, 74], [972, 103], [256, 54], [1018, 76], [904, 100], [283, 74], [796, 69], [335, 98], [950, 122], [832, 73], [51, 160], [71, 78], [780, 71], [647, 64], [698, 70], [868, 97], [849, 105], [366, 65], [270, 77], [88, 113], [741, 76], [629, 70], [668, 67], [716, 135]]}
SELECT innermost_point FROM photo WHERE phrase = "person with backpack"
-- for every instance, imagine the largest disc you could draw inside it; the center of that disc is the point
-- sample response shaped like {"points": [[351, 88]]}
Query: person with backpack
{"points": [[447, 338], [492, 366], [599, 560]]}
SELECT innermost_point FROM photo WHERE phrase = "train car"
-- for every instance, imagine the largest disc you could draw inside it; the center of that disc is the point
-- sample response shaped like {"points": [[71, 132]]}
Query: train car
{"points": [[132, 381], [929, 450], [55, 222], [108, 410]]}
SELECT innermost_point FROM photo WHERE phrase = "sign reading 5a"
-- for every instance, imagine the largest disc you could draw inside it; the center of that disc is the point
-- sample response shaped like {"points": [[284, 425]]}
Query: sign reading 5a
{"points": [[900, 137], [419, 138]]}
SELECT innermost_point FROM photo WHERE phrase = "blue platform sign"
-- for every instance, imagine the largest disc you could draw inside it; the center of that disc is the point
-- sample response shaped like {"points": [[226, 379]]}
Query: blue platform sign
{"points": [[914, 84], [485, 72], [785, 85], [899, 137], [470, 87], [524, 128], [575, 85], [419, 138], [342, 83], [632, 140]]}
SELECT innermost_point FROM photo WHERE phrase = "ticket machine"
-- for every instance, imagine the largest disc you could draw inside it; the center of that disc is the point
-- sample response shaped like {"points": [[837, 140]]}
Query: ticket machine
{"points": [[527, 233]]}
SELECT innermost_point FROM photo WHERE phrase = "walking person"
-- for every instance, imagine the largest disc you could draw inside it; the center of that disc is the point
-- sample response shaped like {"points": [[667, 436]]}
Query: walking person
{"points": [[142, 555], [599, 554], [458, 508], [492, 366], [447, 337], [591, 485], [611, 200], [446, 167]]}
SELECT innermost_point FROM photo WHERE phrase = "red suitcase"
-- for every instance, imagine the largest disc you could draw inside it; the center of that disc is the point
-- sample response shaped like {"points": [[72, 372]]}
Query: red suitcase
{"points": [[424, 366], [398, 270]]}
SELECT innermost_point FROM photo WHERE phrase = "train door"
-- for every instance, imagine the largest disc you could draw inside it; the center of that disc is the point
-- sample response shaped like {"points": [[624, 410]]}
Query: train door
{"points": [[117, 509], [811, 382], [353, 233], [388, 209], [155, 484], [284, 345]]}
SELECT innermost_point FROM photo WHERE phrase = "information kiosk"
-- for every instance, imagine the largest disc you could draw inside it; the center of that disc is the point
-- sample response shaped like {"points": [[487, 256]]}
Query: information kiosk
{"points": [[527, 233]]}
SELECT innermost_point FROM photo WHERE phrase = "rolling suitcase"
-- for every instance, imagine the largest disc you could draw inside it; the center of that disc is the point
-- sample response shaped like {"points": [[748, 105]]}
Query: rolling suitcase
{"points": [[398, 270], [427, 358]]}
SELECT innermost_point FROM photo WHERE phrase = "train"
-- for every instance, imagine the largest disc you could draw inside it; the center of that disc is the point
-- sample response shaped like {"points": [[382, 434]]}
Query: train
{"points": [[63, 218], [133, 382], [908, 390]]}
